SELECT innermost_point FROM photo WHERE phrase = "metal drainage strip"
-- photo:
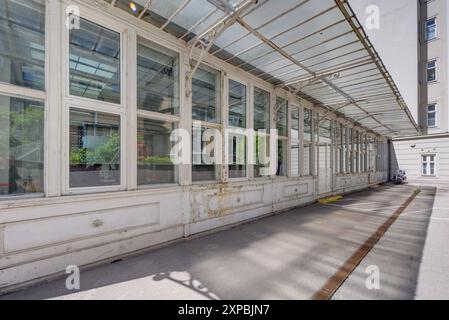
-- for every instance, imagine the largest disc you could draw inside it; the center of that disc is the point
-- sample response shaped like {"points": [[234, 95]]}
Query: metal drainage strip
{"points": [[331, 286]]}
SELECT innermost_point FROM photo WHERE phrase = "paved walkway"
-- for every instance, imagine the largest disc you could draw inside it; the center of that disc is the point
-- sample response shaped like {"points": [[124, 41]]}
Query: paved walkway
{"points": [[287, 256]]}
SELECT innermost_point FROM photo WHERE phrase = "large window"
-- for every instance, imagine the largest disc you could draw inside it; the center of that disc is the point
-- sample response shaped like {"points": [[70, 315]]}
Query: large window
{"points": [[338, 148], [237, 119], [21, 146], [206, 84], [428, 163], [431, 29], [95, 62], [157, 104], [295, 160], [307, 142], [22, 67], [432, 115], [94, 149], [261, 128], [22, 43], [432, 71], [157, 78], [281, 125]]}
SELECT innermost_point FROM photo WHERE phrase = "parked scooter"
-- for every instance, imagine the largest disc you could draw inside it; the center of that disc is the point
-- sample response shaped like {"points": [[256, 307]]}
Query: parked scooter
{"points": [[399, 176]]}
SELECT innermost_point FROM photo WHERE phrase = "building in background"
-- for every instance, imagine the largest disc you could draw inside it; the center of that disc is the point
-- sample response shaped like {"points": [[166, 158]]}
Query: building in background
{"points": [[413, 42], [426, 158]]}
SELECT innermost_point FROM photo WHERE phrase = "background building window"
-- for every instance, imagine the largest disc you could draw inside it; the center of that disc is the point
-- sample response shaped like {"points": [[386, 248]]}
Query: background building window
{"points": [[307, 149], [154, 165], [157, 78], [432, 71], [431, 29], [432, 115], [22, 43], [428, 165], [21, 146], [94, 149], [95, 62]]}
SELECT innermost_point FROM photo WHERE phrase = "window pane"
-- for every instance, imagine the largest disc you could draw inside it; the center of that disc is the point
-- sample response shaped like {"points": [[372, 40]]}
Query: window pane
{"points": [[431, 71], [22, 43], [157, 78], [237, 104], [294, 158], [237, 156], [431, 119], [95, 62], [432, 168], [431, 29], [21, 146], [282, 158], [281, 117], [262, 154], [206, 95], [307, 125], [261, 109], [94, 149], [295, 123], [154, 165], [205, 166]]}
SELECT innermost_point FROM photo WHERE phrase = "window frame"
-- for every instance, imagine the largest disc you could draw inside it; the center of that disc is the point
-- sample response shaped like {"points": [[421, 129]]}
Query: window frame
{"points": [[436, 125], [297, 141], [428, 162], [426, 28], [219, 125], [428, 69], [308, 143], [285, 139], [154, 115], [71, 101], [266, 135], [248, 115], [16, 91]]}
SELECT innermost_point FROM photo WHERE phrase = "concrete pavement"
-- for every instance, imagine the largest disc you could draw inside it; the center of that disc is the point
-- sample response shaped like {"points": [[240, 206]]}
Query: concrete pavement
{"points": [[286, 256]]}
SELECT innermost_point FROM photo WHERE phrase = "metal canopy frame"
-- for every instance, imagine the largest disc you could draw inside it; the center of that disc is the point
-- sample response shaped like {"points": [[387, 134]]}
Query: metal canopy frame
{"points": [[316, 50]]}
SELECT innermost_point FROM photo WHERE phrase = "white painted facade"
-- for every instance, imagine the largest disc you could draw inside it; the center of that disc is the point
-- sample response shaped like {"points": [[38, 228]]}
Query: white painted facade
{"points": [[41, 235]]}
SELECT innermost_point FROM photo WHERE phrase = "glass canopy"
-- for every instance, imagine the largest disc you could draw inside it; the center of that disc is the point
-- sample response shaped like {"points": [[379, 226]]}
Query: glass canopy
{"points": [[316, 49]]}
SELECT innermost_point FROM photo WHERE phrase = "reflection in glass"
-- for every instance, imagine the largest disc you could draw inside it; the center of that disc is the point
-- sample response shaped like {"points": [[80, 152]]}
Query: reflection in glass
{"points": [[261, 109], [157, 78], [262, 153], [204, 146], [94, 149], [21, 146], [22, 43], [95, 62], [206, 95], [237, 156], [154, 165], [237, 104], [282, 158]]}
